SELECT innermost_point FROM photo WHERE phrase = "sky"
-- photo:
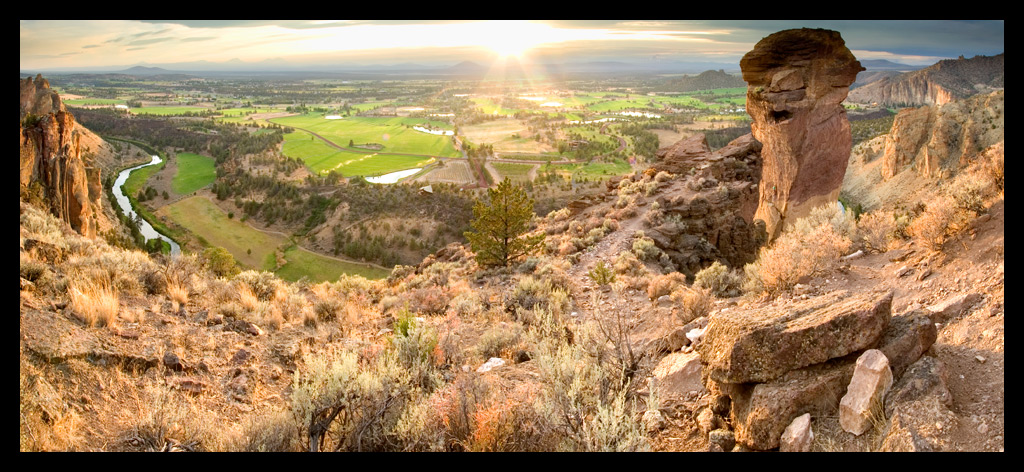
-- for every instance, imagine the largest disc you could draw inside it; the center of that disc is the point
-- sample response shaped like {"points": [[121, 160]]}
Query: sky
{"points": [[259, 44]]}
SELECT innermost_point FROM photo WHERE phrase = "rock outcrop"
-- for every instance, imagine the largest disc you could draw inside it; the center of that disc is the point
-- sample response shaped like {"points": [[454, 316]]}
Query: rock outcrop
{"points": [[797, 80], [708, 212], [52, 158], [938, 84], [769, 364], [932, 139]]}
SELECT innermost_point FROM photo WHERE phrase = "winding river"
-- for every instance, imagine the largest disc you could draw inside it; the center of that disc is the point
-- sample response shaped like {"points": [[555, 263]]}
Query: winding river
{"points": [[126, 207]]}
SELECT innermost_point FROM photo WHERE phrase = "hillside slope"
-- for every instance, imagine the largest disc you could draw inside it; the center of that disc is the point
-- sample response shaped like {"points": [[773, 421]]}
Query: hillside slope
{"points": [[935, 85]]}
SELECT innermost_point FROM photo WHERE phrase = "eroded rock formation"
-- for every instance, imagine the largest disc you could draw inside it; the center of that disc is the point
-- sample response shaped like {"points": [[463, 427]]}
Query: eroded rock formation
{"points": [[797, 80], [930, 139], [52, 157], [708, 212]]}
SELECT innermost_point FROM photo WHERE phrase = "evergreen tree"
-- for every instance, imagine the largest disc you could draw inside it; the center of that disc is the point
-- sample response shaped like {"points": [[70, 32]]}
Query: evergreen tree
{"points": [[501, 225]]}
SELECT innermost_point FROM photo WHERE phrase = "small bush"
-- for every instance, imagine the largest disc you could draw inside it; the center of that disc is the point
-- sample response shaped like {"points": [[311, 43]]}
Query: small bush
{"points": [[695, 301], [665, 284], [645, 249], [497, 341], [813, 246], [877, 230], [601, 274], [719, 279], [935, 224]]}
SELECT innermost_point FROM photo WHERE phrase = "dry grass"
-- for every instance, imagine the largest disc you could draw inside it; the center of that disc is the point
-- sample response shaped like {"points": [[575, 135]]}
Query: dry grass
{"points": [[177, 292], [96, 302]]}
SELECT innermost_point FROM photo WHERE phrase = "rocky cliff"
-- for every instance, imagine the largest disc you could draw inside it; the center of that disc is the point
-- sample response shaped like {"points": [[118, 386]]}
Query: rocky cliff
{"points": [[935, 85], [53, 159], [797, 80], [932, 138]]}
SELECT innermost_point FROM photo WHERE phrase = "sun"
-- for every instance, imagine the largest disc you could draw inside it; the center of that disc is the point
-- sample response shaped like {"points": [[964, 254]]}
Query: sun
{"points": [[512, 38]]}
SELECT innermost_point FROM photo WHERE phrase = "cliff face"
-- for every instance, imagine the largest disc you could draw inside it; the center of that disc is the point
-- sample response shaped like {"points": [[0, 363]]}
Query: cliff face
{"points": [[797, 80], [52, 155], [930, 139], [935, 85]]}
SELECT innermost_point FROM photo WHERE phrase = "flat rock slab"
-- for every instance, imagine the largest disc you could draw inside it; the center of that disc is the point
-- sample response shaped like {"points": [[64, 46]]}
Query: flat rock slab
{"points": [[759, 344]]}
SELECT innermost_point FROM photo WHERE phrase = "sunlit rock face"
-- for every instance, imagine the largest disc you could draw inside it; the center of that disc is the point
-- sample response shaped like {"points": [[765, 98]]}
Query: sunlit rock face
{"points": [[797, 80]]}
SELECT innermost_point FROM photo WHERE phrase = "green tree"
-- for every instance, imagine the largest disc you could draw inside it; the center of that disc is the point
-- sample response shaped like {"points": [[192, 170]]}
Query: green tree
{"points": [[220, 261], [501, 226]]}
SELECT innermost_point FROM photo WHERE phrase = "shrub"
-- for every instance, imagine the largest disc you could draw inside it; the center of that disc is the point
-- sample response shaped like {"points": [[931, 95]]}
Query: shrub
{"points": [[665, 284], [695, 302], [935, 224], [498, 340], [877, 230], [645, 249], [220, 262], [719, 279], [428, 301], [813, 246], [262, 284], [601, 274]]}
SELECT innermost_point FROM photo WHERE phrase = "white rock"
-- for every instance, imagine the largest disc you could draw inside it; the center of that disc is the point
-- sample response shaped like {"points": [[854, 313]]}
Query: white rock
{"points": [[854, 255], [871, 380], [653, 421], [798, 436], [490, 364], [695, 335]]}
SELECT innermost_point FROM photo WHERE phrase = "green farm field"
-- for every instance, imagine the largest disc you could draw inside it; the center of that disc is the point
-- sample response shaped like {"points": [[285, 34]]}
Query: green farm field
{"points": [[317, 268], [165, 111], [322, 158], [93, 101], [394, 133], [201, 217], [194, 173]]}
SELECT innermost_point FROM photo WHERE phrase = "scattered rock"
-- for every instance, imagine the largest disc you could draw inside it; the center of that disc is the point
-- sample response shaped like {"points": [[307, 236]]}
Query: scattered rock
{"points": [[798, 436], [678, 374], [953, 307], [491, 363], [925, 378], [902, 271], [653, 421], [724, 438], [855, 255], [871, 380], [240, 357], [173, 362]]}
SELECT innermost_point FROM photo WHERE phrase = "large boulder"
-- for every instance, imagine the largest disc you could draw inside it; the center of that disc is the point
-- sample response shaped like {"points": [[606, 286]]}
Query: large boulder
{"points": [[797, 80], [760, 343]]}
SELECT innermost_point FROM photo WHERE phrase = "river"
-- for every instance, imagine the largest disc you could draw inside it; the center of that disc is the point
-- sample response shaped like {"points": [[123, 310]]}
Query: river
{"points": [[126, 207]]}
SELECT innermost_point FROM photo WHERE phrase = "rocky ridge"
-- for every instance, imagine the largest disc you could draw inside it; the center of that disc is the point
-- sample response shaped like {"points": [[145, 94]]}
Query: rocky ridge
{"points": [[938, 84]]}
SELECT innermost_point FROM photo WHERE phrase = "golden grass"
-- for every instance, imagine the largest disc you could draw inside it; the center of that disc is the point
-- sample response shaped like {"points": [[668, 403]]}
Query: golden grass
{"points": [[95, 302]]}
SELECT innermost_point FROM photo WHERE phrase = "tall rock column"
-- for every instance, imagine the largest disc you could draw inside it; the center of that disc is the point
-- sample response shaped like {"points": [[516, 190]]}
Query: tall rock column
{"points": [[797, 80]]}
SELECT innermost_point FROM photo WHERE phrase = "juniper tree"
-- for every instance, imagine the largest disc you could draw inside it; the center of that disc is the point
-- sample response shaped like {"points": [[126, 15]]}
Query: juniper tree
{"points": [[501, 226]]}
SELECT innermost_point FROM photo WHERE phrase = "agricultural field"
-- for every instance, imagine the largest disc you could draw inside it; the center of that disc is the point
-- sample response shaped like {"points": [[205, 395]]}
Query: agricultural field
{"points": [[317, 268], [499, 134], [250, 247], [322, 158], [594, 170], [515, 172], [394, 133], [167, 111], [93, 102], [238, 115], [453, 171], [194, 173]]}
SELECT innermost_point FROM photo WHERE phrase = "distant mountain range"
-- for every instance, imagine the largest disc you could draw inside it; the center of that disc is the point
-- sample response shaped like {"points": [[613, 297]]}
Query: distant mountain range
{"points": [[279, 67]]}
